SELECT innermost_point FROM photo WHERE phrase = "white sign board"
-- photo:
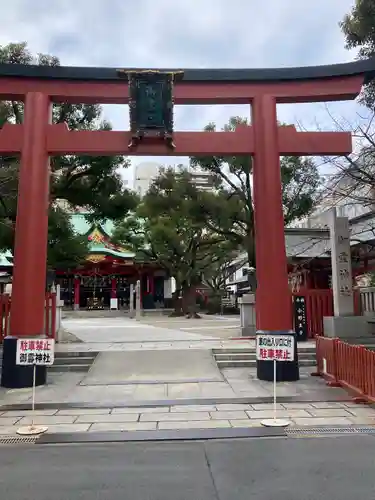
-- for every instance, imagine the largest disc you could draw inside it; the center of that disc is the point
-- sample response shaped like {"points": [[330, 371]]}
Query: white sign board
{"points": [[35, 352], [275, 347]]}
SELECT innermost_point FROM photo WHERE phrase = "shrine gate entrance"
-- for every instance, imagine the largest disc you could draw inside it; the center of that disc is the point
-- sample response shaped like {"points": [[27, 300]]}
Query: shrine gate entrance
{"points": [[151, 95]]}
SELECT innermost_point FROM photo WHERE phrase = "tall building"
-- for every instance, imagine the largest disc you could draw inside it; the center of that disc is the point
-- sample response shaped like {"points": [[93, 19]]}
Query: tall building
{"points": [[351, 198], [144, 174]]}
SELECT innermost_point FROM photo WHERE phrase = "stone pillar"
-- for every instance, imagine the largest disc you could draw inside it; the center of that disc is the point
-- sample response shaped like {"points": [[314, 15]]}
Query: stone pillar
{"points": [[138, 300], [30, 245], [247, 313], [77, 284], [167, 288], [273, 297], [131, 301], [342, 286], [59, 306], [344, 323]]}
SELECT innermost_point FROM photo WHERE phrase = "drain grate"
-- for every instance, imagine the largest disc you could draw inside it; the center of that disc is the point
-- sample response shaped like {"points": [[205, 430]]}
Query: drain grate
{"points": [[300, 431], [18, 439]]}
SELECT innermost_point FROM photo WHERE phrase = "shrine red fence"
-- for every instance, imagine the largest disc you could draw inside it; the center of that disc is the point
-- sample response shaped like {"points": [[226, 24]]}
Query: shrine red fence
{"points": [[349, 366], [319, 303], [49, 319]]}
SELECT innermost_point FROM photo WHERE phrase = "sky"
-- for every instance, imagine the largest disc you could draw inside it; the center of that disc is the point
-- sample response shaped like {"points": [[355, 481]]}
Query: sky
{"points": [[189, 34]]}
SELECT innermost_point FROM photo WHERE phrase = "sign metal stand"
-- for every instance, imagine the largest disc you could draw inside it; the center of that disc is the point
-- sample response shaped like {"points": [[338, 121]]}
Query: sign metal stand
{"points": [[32, 430], [275, 422], [34, 352], [278, 348]]}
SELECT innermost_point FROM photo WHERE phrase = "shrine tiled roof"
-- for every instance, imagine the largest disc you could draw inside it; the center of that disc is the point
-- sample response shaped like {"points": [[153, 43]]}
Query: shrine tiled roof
{"points": [[99, 237], [6, 259], [82, 225]]}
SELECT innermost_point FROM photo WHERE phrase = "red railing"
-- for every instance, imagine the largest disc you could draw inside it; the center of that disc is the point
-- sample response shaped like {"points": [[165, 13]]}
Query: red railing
{"points": [[49, 319], [319, 303], [326, 358], [349, 366], [4, 315]]}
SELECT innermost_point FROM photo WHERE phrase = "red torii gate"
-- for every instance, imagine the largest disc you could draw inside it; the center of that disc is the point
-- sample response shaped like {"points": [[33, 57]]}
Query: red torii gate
{"points": [[37, 139]]}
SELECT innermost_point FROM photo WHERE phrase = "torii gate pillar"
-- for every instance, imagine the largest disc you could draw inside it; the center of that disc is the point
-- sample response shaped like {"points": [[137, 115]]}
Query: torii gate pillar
{"points": [[273, 300], [30, 248]]}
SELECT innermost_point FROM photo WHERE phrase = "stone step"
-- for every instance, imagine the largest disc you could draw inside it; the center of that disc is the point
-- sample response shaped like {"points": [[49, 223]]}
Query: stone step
{"points": [[245, 356], [70, 368], [73, 361], [234, 355], [76, 354], [251, 350], [241, 363], [82, 360], [69, 361]]}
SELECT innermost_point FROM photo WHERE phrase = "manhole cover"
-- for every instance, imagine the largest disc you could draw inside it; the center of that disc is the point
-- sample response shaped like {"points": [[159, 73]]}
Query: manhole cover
{"points": [[328, 430], [18, 439]]}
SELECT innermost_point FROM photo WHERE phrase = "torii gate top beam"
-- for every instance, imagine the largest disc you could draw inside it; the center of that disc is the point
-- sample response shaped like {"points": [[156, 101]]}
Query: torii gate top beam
{"points": [[197, 86]]}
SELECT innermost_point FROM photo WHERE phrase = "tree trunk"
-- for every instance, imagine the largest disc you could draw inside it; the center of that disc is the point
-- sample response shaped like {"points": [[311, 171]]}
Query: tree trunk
{"points": [[177, 303], [189, 301]]}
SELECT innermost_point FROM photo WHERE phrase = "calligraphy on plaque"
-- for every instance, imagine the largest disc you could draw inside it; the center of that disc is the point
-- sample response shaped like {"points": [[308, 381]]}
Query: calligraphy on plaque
{"points": [[151, 105], [300, 317], [344, 276]]}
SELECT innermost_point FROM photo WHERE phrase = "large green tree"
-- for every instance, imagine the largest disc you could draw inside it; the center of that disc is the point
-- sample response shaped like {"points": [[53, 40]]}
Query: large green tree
{"points": [[359, 29], [92, 183], [65, 249], [165, 229], [232, 178], [354, 179]]}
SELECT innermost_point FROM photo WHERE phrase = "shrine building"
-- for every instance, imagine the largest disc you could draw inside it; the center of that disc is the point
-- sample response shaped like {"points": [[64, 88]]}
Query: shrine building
{"points": [[103, 280]]}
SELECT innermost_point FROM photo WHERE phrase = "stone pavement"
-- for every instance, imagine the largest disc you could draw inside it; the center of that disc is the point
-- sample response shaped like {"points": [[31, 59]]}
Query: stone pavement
{"points": [[153, 367], [124, 334], [237, 384], [239, 401], [152, 329], [162, 376], [176, 417]]}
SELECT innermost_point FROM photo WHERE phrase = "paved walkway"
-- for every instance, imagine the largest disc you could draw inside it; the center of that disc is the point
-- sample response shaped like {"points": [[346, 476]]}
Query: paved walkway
{"points": [[153, 375], [151, 329], [175, 417], [124, 334], [237, 383], [151, 333], [152, 367]]}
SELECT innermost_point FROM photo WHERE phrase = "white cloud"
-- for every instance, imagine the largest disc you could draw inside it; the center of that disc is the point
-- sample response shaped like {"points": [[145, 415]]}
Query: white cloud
{"points": [[187, 33]]}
